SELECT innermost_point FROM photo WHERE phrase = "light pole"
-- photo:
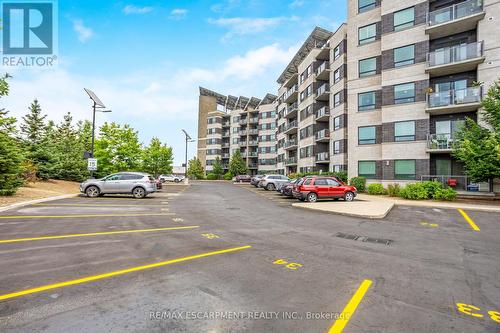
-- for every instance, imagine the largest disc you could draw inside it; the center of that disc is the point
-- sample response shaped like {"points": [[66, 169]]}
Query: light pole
{"points": [[188, 139]]}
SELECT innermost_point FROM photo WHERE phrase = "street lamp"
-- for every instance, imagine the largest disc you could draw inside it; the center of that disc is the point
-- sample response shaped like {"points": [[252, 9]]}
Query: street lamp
{"points": [[188, 139]]}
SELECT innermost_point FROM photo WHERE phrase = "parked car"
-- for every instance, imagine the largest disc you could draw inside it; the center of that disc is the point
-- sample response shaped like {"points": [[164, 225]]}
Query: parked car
{"points": [[317, 187], [242, 179], [171, 178], [136, 183], [255, 180], [287, 189], [271, 182]]}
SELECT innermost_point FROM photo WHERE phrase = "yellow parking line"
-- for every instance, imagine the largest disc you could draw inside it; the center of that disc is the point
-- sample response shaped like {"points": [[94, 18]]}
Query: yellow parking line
{"points": [[93, 234], [75, 216], [350, 308], [115, 273], [469, 220]]}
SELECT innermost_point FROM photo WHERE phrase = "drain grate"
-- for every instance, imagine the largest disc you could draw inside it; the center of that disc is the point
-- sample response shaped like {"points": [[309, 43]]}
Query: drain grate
{"points": [[365, 239]]}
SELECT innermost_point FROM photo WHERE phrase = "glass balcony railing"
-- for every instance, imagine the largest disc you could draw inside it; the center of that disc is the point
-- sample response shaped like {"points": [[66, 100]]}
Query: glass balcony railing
{"points": [[321, 157], [243, 121], [439, 141], [254, 120], [290, 91], [291, 125], [457, 53], [243, 132], [253, 143], [455, 12], [324, 66], [323, 89], [454, 97], [324, 111], [323, 134], [291, 109], [291, 160], [252, 154], [290, 143], [253, 131]]}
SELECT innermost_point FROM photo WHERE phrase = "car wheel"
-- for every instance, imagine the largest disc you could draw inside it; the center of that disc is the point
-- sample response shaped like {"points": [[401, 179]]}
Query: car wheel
{"points": [[176, 180], [349, 196], [270, 187], [92, 191], [312, 197], [138, 193]]}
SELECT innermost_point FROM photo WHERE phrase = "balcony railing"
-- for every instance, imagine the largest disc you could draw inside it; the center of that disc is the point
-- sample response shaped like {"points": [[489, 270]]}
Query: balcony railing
{"points": [[291, 91], [243, 132], [324, 111], [253, 143], [455, 12], [253, 165], [225, 155], [252, 154], [291, 125], [454, 97], [439, 141], [457, 53], [458, 182], [253, 131], [226, 124], [225, 145], [322, 157], [226, 133], [322, 89], [291, 160], [290, 143], [324, 66], [323, 134], [243, 121], [254, 120]]}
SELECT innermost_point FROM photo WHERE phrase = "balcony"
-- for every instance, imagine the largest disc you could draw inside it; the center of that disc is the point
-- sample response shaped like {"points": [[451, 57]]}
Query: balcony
{"points": [[252, 154], [455, 59], [323, 136], [225, 155], [253, 165], [225, 145], [253, 143], [291, 95], [291, 161], [242, 142], [254, 120], [226, 134], [439, 143], [454, 101], [291, 128], [454, 19], [291, 111], [323, 71], [323, 92], [253, 131], [243, 133], [243, 121], [323, 114], [290, 144], [323, 157], [226, 124]]}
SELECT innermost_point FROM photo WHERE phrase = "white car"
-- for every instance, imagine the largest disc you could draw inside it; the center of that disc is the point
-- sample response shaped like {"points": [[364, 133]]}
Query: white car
{"points": [[272, 182], [171, 178]]}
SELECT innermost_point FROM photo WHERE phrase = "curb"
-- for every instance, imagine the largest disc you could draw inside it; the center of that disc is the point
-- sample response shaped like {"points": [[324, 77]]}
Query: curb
{"points": [[27, 203], [372, 217]]}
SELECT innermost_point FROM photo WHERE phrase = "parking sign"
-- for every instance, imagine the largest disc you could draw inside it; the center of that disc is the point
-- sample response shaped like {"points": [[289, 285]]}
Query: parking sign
{"points": [[92, 164]]}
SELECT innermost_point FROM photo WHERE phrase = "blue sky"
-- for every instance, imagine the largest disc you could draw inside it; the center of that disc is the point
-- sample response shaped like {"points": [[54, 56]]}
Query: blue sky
{"points": [[146, 59]]}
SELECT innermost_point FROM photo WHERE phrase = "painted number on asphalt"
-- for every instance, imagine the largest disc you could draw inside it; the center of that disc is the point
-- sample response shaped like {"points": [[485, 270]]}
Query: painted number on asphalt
{"points": [[431, 225], [177, 219], [289, 265], [473, 311], [210, 236]]}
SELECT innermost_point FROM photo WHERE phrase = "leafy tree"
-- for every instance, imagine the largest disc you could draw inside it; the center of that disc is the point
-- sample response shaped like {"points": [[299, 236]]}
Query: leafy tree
{"points": [[117, 149], [478, 147], [237, 165], [157, 158], [195, 169], [217, 169]]}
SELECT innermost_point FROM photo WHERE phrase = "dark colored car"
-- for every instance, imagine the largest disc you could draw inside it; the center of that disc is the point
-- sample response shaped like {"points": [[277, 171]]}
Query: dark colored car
{"points": [[287, 189], [317, 187], [242, 179], [255, 180]]}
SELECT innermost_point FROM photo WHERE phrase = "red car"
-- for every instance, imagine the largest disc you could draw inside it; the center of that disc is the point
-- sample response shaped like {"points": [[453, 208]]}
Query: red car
{"points": [[317, 187], [242, 179]]}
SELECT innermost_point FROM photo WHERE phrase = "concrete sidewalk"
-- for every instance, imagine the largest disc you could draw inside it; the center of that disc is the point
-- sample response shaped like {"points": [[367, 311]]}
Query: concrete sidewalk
{"points": [[377, 207]]}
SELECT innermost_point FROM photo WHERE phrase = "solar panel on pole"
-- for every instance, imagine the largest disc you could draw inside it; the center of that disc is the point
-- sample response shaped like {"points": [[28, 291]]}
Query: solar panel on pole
{"points": [[94, 97]]}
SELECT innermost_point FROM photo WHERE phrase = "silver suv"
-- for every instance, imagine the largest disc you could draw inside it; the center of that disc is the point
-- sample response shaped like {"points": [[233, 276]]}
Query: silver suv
{"points": [[136, 183], [272, 182]]}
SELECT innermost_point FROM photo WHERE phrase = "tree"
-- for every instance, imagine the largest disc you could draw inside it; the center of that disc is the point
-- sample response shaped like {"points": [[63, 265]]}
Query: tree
{"points": [[217, 169], [157, 158], [195, 169], [477, 147], [237, 165], [33, 126]]}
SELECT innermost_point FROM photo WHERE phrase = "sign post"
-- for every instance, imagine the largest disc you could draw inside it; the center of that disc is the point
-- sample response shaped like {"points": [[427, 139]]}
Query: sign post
{"points": [[92, 164]]}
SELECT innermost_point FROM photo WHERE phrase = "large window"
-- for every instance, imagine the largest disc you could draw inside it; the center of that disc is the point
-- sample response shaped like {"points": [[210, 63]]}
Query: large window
{"points": [[367, 169], [404, 56], [404, 169], [367, 34], [336, 123], [367, 135], [366, 101], [368, 67], [336, 99], [365, 5], [336, 52], [404, 93], [404, 131], [336, 76], [404, 18], [336, 147]]}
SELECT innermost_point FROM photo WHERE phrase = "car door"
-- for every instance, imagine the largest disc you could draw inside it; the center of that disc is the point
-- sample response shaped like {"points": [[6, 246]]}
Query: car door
{"points": [[128, 182], [335, 189], [321, 187], [112, 184]]}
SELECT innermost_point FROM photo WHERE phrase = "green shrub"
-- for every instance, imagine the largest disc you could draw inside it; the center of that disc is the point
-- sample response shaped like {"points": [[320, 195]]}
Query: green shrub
{"points": [[447, 194], [376, 189], [212, 176], [432, 187], [393, 190], [228, 176], [416, 191], [359, 183], [294, 175]]}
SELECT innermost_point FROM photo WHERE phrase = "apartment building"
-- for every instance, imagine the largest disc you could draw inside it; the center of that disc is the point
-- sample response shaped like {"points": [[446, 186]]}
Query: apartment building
{"points": [[416, 70], [229, 123], [312, 106]]}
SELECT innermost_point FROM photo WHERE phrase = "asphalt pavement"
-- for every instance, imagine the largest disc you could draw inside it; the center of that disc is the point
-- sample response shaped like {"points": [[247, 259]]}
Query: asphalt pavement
{"points": [[219, 257]]}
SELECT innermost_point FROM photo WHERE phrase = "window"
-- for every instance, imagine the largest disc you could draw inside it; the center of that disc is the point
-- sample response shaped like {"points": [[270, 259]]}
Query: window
{"points": [[236, 129], [336, 52], [404, 56], [235, 140], [320, 182], [336, 147], [366, 135], [404, 18], [336, 76], [404, 169], [404, 93], [367, 169], [368, 67], [332, 182], [366, 101], [336, 99], [307, 181], [366, 5], [367, 34], [404, 131], [336, 123]]}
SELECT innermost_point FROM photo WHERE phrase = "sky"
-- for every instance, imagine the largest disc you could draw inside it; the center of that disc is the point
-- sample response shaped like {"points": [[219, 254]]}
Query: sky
{"points": [[147, 59]]}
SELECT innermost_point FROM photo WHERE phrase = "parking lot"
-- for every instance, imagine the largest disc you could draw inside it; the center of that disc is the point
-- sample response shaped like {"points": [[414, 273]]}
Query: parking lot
{"points": [[218, 257]]}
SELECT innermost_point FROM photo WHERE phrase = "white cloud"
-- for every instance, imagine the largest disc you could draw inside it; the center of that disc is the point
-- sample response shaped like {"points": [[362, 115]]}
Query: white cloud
{"points": [[244, 25], [297, 3], [131, 9], [178, 14], [84, 33]]}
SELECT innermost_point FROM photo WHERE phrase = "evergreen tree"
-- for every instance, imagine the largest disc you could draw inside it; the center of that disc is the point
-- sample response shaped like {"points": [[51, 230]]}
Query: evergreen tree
{"points": [[237, 165], [217, 168], [157, 158], [195, 169], [33, 126]]}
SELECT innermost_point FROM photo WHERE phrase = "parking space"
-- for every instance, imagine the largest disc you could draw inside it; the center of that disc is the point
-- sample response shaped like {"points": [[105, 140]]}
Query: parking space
{"points": [[273, 196], [218, 257]]}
